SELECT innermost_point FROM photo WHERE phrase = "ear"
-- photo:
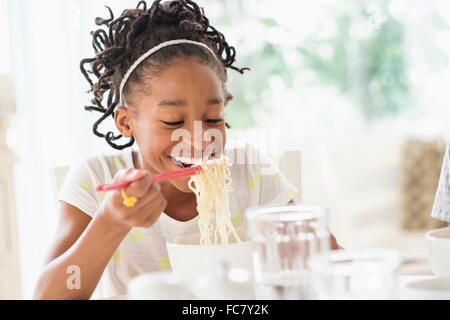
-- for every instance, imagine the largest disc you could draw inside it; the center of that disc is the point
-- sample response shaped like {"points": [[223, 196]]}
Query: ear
{"points": [[123, 121]]}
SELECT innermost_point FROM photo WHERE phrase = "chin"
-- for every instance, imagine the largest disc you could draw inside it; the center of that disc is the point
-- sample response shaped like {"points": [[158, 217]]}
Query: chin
{"points": [[181, 184]]}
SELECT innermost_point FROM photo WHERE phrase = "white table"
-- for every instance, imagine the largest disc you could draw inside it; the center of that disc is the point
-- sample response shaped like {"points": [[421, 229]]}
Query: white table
{"points": [[403, 292]]}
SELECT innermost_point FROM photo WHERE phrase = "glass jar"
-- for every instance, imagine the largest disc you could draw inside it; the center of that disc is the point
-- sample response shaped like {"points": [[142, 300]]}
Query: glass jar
{"points": [[283, 238]]}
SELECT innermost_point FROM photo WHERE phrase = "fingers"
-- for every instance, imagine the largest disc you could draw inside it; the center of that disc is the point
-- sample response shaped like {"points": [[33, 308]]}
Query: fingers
{"points": [[135, 175], [129, 174], [150, 202], [154, 209], [140, 182], [153, 194], [140, 187], [147, 191]]}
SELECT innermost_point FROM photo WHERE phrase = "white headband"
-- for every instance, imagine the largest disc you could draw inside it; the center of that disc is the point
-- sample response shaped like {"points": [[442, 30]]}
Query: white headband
{"points": [[150, 52]]}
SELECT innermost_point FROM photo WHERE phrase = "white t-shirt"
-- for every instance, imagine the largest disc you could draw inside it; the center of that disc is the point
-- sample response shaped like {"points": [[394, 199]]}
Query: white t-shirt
{"points": [[143, 249], [441, 207]]}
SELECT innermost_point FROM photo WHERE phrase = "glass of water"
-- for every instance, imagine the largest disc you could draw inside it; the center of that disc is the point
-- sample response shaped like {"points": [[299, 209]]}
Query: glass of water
{"points": [[355, 274], [283, 238]]}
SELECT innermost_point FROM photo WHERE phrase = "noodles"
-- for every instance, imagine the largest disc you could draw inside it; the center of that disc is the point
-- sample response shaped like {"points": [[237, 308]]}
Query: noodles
{"points": [[211, 186]]}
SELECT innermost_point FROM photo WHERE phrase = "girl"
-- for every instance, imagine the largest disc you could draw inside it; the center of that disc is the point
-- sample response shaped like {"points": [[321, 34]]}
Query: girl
{"points": [[153, 87]]}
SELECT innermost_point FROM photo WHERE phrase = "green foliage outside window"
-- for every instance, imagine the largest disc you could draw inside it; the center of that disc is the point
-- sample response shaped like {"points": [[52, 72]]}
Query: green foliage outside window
{"points": [[370, 67]]}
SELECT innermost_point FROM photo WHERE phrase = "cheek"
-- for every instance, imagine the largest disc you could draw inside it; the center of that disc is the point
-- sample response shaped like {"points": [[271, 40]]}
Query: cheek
{"points": [[153, 143], [158, 142], [220, 143]]}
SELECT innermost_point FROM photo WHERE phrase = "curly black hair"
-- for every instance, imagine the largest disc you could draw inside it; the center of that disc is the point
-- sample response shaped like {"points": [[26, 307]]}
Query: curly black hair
{"points": [[134, 33]]}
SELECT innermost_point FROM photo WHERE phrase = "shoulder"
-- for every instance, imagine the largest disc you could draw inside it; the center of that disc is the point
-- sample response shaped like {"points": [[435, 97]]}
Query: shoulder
{"points": [[78, 188], [96, 169], [245, 155], [249, 160], [117, 158], [250, 168], [103, 166], [256, 176]]}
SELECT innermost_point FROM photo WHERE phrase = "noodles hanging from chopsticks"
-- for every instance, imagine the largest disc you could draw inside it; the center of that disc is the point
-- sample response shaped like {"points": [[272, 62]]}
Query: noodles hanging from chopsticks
{"points": [[211, 187]]}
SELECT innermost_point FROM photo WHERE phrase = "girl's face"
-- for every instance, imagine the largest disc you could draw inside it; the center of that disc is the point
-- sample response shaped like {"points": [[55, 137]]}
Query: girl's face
{"points": [[185, 102]]}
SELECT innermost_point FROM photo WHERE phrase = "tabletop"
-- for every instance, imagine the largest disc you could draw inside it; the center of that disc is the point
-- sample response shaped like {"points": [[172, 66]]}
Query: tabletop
{"points": [[407, 289]]}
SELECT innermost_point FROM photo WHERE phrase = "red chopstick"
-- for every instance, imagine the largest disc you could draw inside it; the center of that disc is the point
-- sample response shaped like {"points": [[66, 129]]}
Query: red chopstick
{"points": [[185, 172]]}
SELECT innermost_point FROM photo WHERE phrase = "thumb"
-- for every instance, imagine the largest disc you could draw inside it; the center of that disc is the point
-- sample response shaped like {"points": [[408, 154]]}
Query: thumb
{"points": [[157, 185], [135, 175]]}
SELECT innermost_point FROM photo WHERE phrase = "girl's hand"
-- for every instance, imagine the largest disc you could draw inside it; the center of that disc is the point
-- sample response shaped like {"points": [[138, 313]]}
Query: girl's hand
{"points": [[145, 212]]}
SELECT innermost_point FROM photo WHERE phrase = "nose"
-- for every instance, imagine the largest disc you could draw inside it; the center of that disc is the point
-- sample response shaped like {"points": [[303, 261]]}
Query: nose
{"points": [[197, 142], [190, 141], [195, 138]]}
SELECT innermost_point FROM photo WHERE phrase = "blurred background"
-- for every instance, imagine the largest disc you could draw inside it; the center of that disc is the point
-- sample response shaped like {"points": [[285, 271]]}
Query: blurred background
{"points": [[358, 88]]}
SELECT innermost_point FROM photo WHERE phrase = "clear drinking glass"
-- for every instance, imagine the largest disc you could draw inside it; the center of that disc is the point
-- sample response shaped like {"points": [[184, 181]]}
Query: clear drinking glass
{"points": [[283, 238], [355, 274]]}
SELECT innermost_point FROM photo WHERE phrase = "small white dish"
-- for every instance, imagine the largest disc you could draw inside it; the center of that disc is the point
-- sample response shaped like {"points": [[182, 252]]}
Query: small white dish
{"points": [[435, 288], [439, 251]]}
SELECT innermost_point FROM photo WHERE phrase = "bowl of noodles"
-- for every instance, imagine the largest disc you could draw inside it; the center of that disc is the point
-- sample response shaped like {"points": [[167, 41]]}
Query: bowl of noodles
{"points": [[189, 259], [218, 242]]}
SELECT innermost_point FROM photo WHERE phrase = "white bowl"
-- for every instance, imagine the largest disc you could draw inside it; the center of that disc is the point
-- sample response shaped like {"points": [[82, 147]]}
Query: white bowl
{"points": [[189, 259], [439, 251]]}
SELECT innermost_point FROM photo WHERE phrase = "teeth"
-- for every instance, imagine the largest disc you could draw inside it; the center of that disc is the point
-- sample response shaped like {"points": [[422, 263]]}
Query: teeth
{"points": [[187, 160], [177, 162]]}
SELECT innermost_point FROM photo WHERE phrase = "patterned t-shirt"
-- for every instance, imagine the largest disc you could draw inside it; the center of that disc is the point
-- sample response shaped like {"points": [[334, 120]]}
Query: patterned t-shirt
{"points": [[441, 207], [255, 181]]}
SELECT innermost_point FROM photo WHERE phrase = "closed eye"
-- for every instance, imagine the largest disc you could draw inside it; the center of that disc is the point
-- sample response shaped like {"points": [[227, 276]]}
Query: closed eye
{"points": [[214, 120], [176, 123]]}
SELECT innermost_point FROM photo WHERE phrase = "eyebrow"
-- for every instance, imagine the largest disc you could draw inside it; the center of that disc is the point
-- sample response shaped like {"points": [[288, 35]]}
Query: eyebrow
{"points": [[182, 103]]}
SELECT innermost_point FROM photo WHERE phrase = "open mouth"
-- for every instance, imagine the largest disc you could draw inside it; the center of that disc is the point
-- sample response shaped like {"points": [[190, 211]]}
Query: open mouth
{"points": [[183, 162], [179, 163]]}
